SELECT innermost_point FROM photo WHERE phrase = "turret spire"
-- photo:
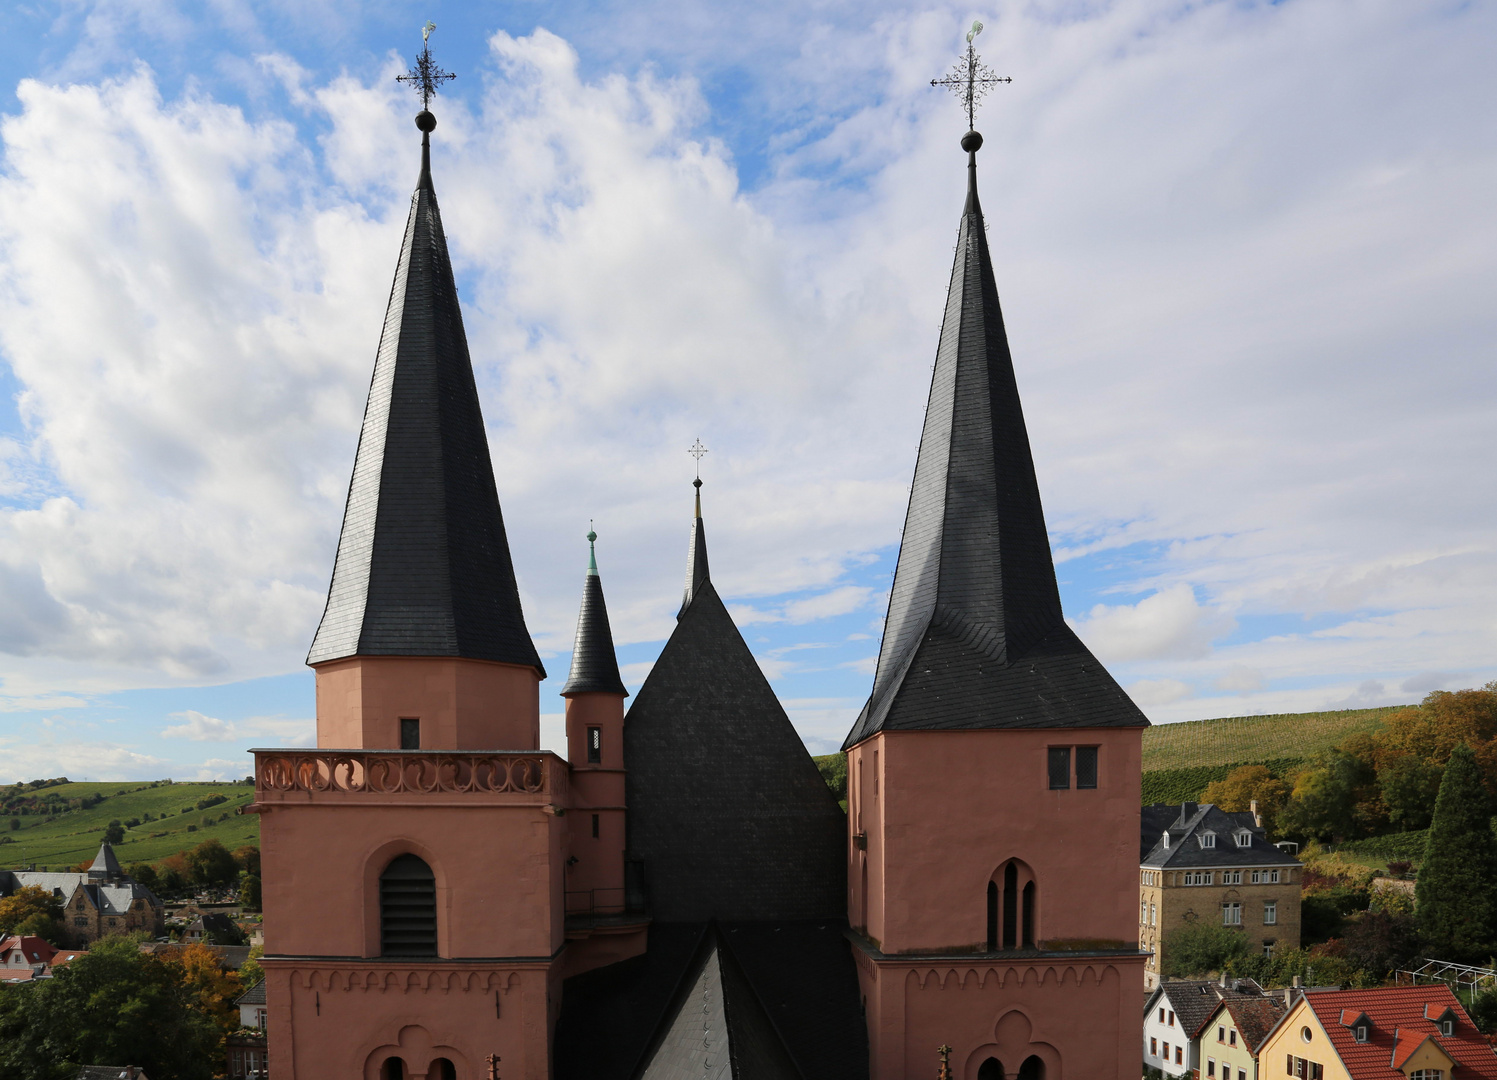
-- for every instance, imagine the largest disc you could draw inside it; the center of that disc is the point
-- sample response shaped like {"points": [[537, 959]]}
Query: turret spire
{"points": [[696, 557], [423, 565], [595, 665], [974, 636]]}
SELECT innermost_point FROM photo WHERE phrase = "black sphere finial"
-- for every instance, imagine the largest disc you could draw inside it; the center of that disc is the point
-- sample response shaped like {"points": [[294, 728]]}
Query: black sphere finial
{"points": [[972, 142], [697, 483], [426, 121]]}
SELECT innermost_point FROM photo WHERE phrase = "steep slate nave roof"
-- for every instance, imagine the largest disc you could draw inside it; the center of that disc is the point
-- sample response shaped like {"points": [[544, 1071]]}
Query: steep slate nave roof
{"points": [[423, 565], [1190, 821], [975, 637]]}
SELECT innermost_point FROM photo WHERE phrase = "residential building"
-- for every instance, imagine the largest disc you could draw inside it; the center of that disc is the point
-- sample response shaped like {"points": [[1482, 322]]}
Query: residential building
{"points": [[102, 900], [1174, 1012], [1227, 1043], [246, 1049], [24, 954], [1198, 862], [1390, 1033]]}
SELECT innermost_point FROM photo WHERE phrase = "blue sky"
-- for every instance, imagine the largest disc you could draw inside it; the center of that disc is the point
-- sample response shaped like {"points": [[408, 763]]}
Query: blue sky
{"points": [[1245, 251]]}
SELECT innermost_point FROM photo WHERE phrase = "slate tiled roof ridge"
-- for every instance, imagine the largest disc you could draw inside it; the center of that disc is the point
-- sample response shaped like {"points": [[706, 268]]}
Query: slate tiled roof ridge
{"points": [[974, 604], [423, 565], [595, 664], [1186, 853]]}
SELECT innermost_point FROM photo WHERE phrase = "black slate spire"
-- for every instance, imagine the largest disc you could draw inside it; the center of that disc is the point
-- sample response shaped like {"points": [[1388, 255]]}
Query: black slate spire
{"points": [[423, 565], [975, 637], [696, 556], [595, 666]]}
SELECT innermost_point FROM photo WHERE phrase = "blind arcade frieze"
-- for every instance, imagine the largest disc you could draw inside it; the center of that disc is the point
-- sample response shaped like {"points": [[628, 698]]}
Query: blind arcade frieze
{"points": [[384, 772]]}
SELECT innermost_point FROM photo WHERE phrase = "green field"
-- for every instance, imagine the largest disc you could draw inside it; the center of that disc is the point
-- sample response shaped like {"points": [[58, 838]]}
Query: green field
{"points": [[1241, 739], [61, 841]]}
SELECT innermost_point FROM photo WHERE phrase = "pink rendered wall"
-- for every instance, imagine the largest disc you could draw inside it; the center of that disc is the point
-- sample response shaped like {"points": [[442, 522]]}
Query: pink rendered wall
{"points": [[462, 704], [498, 872], [942, 811], [597, 789], [1080, 1018], [330, 1019]]}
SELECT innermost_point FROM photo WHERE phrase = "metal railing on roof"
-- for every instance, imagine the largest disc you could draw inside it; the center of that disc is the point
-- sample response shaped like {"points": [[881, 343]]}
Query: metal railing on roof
{"points": [[1443, 971]]}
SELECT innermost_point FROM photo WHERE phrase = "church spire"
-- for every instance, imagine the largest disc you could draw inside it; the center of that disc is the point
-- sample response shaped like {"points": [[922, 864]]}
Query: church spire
{"points": [[974, 636], [696, 557], [423, 565], [595, 665]]}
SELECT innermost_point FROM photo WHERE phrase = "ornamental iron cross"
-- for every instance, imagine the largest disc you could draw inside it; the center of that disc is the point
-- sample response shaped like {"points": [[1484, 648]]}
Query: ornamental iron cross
{"points": [[426, 77], [970, 79], [696, 451]]}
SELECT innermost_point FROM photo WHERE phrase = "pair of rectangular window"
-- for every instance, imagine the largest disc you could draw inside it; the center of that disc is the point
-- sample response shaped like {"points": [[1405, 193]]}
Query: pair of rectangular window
{"points": [[1265, 877], [1198, 877], [1060, 767], [1231, 914], [1231, 877], [1301, 1069]]}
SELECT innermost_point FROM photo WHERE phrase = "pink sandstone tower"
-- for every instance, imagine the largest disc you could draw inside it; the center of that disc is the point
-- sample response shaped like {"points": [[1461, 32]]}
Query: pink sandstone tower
{"points": [[994, 774]]}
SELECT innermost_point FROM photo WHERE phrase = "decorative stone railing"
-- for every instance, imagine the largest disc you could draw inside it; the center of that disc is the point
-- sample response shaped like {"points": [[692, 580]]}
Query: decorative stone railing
{"points": [[423, 772]]}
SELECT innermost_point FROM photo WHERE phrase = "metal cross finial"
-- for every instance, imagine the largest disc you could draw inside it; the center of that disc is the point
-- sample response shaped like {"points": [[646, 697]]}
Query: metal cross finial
{"points": [[696, 451], [426, 77], [970, 79], [945, 1052]]}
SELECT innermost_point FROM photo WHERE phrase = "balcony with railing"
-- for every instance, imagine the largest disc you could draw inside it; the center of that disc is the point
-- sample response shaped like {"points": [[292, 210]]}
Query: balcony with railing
{"points": [[536, 777]]}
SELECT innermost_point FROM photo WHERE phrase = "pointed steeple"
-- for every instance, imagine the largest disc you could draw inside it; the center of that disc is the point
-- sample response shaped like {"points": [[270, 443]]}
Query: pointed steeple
{"points": [[975, 637], [696, 557], [595, 666], [106, 864], [423, 565]]}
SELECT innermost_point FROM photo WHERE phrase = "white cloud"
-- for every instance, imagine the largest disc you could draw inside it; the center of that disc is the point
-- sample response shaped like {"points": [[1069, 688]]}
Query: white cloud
{"points": [[1239, 679], [1168, 625], [199, 728], [1148, 692], [195, 727]]}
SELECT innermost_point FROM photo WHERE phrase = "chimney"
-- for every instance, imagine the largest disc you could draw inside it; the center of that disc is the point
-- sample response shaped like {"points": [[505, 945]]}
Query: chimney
{"points": [[1296, 983], [1257, 817]]}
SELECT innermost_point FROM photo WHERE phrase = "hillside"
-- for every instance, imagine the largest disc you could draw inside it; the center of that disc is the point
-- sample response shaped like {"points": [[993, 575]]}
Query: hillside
{"points": [[71, 834], [1235, 739]]}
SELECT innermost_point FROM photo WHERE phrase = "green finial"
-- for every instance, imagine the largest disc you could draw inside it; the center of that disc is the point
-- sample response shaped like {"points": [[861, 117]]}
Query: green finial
{"points": [[592, 550]]}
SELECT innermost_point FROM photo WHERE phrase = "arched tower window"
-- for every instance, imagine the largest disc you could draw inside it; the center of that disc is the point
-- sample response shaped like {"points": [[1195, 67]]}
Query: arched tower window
{"points": [[991, 1069], [1012, 896], [442, 1069], [407, 910], [1032, 1069], [393, 1069]]}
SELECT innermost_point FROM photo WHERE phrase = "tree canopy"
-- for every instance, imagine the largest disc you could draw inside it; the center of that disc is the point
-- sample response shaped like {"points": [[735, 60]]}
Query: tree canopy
{"points": [[1456, 892], [25, 906]]}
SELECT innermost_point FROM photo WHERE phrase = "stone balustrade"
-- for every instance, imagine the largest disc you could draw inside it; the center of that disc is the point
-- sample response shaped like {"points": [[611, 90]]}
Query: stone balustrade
{"points": [[409, 772]]}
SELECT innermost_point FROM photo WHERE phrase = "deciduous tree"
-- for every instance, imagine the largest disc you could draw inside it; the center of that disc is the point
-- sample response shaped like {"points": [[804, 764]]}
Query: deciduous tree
{"points": [[1201, 947], [1246, 785], [26, 903]]}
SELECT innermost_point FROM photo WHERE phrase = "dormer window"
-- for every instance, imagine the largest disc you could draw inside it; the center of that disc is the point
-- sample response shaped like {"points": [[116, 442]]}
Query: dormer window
{"points": [[1244, 838], [1165, 839], [1208, 839], [1361, 1032], [1447, 1027]]}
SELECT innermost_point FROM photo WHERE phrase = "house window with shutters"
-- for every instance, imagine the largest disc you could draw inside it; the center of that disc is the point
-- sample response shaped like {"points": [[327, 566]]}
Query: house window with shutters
{"points": [[407, 908]]}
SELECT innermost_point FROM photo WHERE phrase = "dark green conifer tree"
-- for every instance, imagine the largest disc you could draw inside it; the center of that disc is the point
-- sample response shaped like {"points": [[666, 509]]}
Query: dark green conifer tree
{"points": [[1456, 895]]}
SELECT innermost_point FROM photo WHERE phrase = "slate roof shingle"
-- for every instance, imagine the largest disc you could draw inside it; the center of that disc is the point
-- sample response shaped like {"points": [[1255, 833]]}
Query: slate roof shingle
{"points": [[595, 665], [975, 637], [1188, 822], [423, 565]]}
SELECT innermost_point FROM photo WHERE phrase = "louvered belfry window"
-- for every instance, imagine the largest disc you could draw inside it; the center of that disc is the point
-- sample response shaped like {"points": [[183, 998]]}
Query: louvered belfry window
{"points": [[407, 908]]}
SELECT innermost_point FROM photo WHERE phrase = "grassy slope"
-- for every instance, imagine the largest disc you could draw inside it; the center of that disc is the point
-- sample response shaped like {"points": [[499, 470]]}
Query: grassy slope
{"points": [[62, 840], [1237, 739]]}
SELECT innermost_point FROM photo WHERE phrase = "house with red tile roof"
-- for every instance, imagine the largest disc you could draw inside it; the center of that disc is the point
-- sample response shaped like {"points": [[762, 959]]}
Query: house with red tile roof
{"points": [[1391, 1033]]}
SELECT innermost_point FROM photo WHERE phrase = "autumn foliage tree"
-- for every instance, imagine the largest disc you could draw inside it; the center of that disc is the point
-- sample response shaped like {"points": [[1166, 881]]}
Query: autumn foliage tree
{"points": [[29, 909], [1244, 786], [211, 987]]}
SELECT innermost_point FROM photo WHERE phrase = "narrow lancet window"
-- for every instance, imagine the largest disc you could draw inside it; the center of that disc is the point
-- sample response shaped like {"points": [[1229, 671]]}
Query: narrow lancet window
{"points": [[410, 734], [1010, 906], [992, 916], [991, 1069], [595, 746], [1029, 915]]}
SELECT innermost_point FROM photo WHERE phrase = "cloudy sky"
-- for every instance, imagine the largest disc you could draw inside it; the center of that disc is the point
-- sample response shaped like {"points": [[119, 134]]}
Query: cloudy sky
{"points": [[1247, 254]]}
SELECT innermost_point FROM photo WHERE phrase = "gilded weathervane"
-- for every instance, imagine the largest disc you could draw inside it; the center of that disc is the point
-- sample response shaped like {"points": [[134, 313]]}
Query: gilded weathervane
{"points": [[970, 79], [426, 77]]}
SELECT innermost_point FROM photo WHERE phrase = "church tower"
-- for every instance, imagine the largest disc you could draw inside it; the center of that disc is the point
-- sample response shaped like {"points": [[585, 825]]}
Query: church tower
{"points": [[414, 881], [994, 772]]}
